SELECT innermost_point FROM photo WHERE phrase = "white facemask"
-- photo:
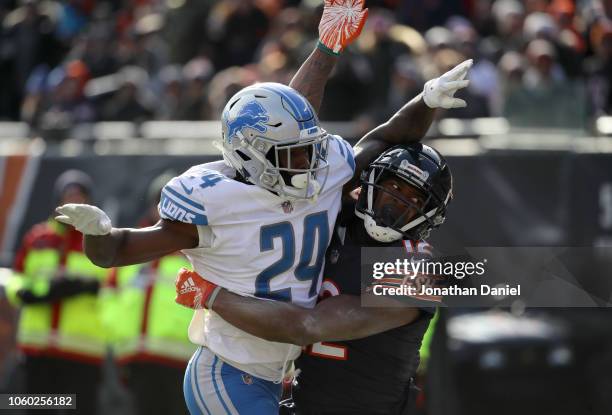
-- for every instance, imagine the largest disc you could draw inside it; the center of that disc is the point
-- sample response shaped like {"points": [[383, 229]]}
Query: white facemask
{"points": [[380, 233]]}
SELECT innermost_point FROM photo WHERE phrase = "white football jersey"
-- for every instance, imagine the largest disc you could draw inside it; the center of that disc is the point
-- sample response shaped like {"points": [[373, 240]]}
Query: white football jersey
{"points": [[255, 243]]}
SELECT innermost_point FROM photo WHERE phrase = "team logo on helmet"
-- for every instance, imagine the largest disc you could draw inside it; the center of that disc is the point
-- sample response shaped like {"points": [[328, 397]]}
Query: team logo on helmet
{"points": [[406, 166], [252, 115]]}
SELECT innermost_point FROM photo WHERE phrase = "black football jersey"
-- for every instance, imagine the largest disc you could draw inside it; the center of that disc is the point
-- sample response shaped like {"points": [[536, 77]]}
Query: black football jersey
{"points": [[365, 376]]}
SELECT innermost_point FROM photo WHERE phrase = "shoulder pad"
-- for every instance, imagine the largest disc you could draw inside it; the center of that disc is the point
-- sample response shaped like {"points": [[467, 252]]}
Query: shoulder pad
{"points": [[341, 146], [184, 198]]}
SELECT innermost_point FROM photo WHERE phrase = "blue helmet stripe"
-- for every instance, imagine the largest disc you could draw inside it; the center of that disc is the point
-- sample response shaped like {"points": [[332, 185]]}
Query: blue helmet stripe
{"points": [[299, 102], [306, 111], [299, 106], [294, 110]]}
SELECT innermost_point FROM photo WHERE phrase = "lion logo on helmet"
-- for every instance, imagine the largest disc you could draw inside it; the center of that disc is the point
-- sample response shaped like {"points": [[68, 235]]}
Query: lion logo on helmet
{"points": [[251, 115]]}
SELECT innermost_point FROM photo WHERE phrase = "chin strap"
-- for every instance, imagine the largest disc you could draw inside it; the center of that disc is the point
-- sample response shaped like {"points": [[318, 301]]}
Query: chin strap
{"points": [[380, 233], [306, 181]]}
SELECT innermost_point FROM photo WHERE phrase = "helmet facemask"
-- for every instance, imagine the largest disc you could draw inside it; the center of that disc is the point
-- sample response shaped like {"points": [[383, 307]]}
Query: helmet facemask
{"points": [[293, 178], [404, 218]]}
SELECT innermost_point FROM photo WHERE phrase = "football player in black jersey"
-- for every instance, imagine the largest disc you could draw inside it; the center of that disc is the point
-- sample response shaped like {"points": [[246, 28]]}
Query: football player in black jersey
{"points": [[368, 367]]}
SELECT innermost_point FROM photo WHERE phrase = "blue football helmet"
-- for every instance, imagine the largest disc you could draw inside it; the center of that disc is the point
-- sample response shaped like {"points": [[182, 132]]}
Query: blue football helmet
{"points": [[262, 126]]}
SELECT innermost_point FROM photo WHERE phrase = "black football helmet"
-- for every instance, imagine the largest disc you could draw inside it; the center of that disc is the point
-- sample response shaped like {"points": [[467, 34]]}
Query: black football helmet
{"points": [[425, 170]]}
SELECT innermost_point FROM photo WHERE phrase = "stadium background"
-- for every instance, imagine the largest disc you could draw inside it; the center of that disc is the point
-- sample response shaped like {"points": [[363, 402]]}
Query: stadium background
{"points": [[126, 90]]}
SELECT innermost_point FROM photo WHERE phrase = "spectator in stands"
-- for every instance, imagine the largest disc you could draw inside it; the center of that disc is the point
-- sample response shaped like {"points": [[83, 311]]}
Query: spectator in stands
{"points": [[564, 14], [541, 25], [95, 48], [381, 51], [274, 63], [599, 68], [194, 105], [236, 27], [35, 93], [546, 97], [226, 83], [484, 76], [268, 38], [66, 104], [512, 66], [72, 18], [425, 14], [544, 70], [406, 82], [30, 40], [509, 15], [482, 18], [127, 104], [142, 45], [171, 94], [289, 28]]}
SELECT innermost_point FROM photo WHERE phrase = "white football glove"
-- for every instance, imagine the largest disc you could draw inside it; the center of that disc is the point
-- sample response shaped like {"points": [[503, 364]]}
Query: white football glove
{"points": [[438, 92], [87, 219]]}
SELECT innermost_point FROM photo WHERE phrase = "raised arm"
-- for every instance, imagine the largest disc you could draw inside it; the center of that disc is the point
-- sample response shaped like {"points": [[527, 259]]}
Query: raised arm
{"points": [[340, 24], [336, 318], [412, 121], [312, 76], [108, 247]]}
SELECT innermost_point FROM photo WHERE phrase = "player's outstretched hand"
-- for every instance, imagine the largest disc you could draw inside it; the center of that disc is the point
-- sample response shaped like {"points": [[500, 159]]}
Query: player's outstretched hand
{"points": [[87, 219], [439, 92], [340, 24], [193, 291]]}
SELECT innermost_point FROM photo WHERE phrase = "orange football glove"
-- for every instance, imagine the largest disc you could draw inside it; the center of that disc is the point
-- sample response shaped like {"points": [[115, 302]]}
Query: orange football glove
{"points": [[193, 291], [340, 24]]}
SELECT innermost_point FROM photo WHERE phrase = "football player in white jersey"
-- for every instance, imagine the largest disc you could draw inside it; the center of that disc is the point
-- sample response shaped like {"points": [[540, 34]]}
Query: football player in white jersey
{"points": [[259, 222]]}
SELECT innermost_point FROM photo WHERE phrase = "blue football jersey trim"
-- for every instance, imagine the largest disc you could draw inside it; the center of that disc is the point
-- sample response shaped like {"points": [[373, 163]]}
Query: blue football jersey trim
{"points": [[170, 207], [346, 152], [188, 190], [349, 155], [214, 378], [195, 365], [340, 147], [183, 198]]}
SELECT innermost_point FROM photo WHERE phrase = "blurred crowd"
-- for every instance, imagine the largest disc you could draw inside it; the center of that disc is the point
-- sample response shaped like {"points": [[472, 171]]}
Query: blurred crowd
{"points": [[537, 62]]}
